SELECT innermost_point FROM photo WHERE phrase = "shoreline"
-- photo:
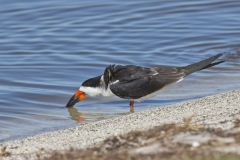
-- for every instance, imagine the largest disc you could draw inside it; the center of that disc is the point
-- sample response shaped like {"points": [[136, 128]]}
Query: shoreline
{"points": [[214, 111]]}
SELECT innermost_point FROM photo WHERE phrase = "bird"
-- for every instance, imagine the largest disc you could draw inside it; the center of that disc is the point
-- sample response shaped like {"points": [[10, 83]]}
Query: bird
{"points": [[136, 83]]}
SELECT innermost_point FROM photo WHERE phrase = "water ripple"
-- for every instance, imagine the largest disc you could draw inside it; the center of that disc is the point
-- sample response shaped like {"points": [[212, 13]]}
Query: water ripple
{"points": [[47, 48]]}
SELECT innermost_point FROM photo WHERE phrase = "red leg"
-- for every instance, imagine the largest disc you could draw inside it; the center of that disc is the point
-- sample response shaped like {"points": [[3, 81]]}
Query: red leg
{"points": [[131, 105]]}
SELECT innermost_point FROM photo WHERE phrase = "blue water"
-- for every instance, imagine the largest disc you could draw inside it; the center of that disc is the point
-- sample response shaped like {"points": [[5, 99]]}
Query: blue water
{"points": [[47, 48]]}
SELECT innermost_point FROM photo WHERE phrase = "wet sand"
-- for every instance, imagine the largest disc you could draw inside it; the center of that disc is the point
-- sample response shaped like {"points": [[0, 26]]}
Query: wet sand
{"points": [[213, 111]]}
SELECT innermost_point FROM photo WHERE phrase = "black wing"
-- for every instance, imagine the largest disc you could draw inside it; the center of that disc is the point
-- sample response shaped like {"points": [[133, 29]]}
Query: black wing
{"points": [[133, 82]]}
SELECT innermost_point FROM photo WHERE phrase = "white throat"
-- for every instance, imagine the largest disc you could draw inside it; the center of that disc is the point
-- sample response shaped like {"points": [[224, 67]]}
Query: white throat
{"points": [[96, 91]]}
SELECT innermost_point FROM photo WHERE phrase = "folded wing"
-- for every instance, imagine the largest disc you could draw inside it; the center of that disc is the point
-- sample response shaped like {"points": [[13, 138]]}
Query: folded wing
{"points": [[137, 82]]}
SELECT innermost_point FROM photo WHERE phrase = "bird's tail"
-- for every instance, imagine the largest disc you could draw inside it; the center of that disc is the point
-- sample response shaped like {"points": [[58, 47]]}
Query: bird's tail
{"points": [[202, 64]]}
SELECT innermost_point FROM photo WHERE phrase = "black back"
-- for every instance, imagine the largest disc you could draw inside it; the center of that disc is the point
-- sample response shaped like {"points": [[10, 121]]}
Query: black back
{"points": [[136, 82]]}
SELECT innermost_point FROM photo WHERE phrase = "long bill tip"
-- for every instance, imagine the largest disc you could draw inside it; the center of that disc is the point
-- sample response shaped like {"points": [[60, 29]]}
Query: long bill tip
{"points": [[73, 100]]}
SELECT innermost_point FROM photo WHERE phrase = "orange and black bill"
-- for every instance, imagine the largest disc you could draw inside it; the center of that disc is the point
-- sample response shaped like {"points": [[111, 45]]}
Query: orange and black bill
{"points": [[78, 96]]}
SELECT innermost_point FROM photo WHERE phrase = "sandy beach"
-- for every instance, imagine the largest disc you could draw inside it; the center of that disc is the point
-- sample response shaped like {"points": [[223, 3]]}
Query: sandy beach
{"points": [[218, 111]]}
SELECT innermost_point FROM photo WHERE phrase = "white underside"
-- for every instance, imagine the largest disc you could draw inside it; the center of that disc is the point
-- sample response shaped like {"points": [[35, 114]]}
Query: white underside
{"points": [[155, 93]]}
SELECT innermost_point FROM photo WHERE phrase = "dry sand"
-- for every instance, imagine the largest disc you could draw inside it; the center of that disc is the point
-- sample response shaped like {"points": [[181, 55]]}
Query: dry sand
{"points": [[215, 111]]}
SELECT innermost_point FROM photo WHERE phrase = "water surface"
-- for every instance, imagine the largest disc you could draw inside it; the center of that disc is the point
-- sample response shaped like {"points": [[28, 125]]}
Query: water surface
{"points": [[47, 48]]}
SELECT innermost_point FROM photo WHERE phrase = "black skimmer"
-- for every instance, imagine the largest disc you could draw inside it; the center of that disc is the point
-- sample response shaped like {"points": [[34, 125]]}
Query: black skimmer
{"points": [[134, 82]]}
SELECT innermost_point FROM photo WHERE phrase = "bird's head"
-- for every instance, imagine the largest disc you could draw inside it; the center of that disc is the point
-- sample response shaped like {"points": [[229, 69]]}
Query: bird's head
{"points": [[89, 88], [78, 96]]}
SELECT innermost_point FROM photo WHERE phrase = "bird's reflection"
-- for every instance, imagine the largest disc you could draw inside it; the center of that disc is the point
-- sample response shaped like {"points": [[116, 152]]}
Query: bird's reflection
{"points": [[77, 116], [81, 117]]}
